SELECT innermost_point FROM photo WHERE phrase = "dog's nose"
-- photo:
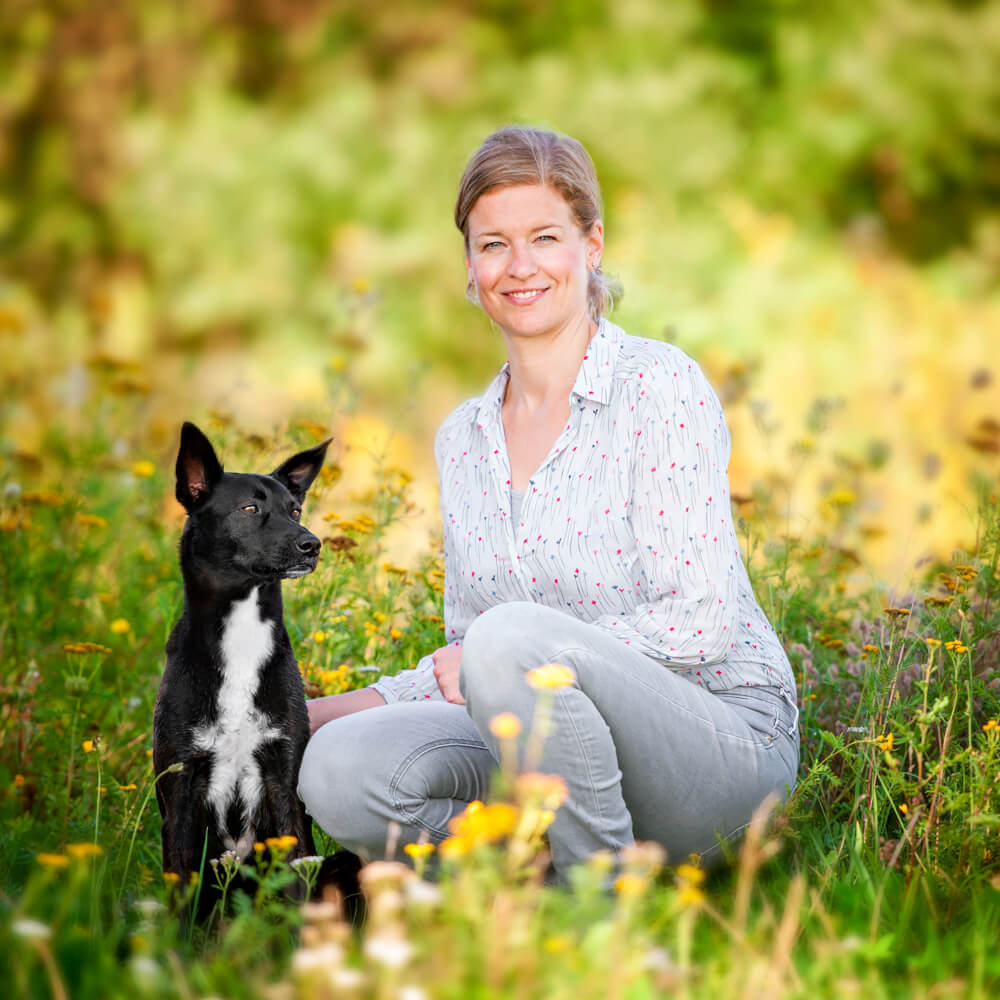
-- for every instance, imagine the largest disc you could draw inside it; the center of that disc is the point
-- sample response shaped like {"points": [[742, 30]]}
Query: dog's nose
{"points": [[309, 545]]}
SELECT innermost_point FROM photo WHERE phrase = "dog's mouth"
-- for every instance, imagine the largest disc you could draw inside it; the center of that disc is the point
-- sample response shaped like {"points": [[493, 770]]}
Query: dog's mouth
{"points": [[299, 569]]}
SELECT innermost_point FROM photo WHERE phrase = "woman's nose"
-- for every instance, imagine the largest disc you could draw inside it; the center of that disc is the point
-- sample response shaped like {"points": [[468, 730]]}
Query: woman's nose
{"points": [[521, 263]]}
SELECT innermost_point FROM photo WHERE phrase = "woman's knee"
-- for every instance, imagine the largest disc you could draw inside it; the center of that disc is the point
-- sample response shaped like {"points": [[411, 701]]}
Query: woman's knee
{"points": [[505, 642]]}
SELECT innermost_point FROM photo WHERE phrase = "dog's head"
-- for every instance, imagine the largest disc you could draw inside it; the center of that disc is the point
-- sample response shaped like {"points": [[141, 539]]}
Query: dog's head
{"points": [[244, 528]]}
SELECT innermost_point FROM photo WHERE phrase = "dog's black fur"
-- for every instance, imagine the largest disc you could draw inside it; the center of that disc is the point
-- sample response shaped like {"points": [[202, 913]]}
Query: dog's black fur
{"points": [[231, 707]]}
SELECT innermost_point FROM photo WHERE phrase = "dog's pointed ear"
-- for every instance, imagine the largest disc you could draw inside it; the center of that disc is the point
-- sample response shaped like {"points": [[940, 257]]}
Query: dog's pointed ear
{"points": [[298, 472], [198, 469]]}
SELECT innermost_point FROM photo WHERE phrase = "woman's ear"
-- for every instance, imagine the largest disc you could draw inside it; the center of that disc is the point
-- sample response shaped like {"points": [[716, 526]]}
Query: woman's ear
{"points": [[595, 244]]}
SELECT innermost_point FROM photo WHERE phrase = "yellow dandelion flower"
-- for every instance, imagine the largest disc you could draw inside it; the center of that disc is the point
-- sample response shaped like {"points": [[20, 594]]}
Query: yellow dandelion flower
{"points": [[259, 847], [550, 677], [82, 851], [143, 468], [88, 746], [690, 895], [319, 636], [904, 808], [417, 851], [395, 633], [120, 626], [691, 874], [505, 726], [52, 860], [630, 885]]}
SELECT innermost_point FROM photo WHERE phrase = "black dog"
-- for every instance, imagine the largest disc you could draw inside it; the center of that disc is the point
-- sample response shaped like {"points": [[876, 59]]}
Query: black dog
{"points": [[231, 707]]}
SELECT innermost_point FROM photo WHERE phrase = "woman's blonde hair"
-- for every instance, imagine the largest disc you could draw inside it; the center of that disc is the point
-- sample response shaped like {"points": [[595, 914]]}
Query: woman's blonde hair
{"points": [[520, 154]]}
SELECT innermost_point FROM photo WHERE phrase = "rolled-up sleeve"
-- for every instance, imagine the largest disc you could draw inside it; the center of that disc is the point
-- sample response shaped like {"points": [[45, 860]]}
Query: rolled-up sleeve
{"points": [[418, 684]]}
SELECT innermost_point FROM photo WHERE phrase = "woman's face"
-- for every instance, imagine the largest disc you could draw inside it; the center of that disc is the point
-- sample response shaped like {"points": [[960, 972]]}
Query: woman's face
{"points": [[528, 260]]}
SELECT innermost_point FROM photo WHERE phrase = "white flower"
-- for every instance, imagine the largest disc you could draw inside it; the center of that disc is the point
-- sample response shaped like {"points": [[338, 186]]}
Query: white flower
{"points": [[389, 950], [31, 929], [322, 957]]}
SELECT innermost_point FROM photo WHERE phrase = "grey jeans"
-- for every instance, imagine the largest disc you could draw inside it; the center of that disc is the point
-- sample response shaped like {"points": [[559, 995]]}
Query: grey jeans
{"points": [[646, 754]]}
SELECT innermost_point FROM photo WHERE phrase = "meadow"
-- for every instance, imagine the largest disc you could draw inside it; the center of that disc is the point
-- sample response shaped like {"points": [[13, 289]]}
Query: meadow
{"points": [[253, 232]]}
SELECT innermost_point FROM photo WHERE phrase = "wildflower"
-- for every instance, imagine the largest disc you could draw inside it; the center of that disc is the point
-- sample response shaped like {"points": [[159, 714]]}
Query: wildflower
{"points": [[480, 824], [397, 570], [933, 643], [19, 781], [691, 873], [283, 844], [85, 647], [88, 746], [990, 726], [690, 895], [550, 677], [454, 847], [83, 851], [131, 787], [389, 950], [630, 886], [896, 612], [885, 742], [143, 469], [395, 633], [557, 944], [869, 648], [90, 520], [52, 860], [904, 808], [505, 726], [32, 929], [842, 498], [418, 851], [171, 878], [120, 626], [319, 636], [549, 790], [939, 602]]}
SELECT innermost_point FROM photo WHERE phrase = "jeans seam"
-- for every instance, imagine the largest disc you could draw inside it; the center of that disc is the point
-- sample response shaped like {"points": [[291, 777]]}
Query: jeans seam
{"points": [[407, 762], [583, 756]]}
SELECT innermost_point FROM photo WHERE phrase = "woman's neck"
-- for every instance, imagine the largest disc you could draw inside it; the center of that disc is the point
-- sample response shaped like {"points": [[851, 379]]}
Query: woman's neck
{"points": [[544, 369]]}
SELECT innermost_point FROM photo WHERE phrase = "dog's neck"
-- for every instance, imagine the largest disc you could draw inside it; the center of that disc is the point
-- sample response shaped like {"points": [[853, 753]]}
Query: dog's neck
{"points": [[209, 597]]}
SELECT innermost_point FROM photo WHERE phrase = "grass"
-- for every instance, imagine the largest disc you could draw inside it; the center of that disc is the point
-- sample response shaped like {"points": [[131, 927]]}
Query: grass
{"points": [[880, 877]]}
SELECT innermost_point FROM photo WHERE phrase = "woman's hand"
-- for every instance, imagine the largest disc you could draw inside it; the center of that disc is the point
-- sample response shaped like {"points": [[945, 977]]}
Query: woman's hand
{"points": [[447, 661]]}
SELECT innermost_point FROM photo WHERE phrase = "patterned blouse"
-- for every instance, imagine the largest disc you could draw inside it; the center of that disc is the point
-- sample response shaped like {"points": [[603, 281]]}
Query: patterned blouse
{"points": [[626, 524]]}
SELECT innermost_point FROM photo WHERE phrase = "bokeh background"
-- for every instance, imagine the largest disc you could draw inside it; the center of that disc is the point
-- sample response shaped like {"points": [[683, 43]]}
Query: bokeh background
{"points": [[240, 213]]}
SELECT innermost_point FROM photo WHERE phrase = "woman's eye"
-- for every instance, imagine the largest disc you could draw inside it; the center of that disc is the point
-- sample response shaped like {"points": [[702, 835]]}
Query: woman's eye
{"points": [[249, 508], [492, 245], [547, 236]]}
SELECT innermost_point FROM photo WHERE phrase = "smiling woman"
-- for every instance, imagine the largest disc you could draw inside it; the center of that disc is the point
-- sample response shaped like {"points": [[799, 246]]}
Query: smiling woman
{"points": [[586, 517]]}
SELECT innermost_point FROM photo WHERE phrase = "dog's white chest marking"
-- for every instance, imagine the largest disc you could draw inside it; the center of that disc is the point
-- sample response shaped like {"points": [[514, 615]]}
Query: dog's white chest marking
{"points": [[240, 728]]}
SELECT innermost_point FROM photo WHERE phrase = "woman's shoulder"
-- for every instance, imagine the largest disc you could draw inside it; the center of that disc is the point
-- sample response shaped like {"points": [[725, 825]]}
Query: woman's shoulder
{"points": [[457, 424], [649, 361]]}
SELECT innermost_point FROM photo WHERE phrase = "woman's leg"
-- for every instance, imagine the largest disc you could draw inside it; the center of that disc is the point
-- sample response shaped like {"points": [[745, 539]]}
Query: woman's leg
{"points": [[645, 753], [415, 764]]}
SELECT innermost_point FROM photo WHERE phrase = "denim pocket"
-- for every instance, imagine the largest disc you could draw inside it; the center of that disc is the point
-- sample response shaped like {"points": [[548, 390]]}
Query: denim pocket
{"points": [[759, 708]]}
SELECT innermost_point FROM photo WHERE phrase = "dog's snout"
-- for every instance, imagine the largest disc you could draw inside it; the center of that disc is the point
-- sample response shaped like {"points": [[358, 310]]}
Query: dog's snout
{"points": [[309, 545]]}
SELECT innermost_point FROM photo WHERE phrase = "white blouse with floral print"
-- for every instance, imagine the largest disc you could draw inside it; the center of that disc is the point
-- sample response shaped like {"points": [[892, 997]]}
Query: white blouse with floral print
{"points": [[626, 524]]}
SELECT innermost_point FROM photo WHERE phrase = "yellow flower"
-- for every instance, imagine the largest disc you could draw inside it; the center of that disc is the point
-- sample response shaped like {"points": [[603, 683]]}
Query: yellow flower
{"points": [[171, 878], [120, 626], [454, 847], [691, 874], [90, 520], [904, 808], [81, 851], [933, 643], [319, 636], [129, 788], [417, 851], [505, 726], [547, 790], [52, 860], [885, 742], [480, 824], [281, 844], [88, 746], [630, 885], [690, 895], [990, 726], [18, 780], [143, 468], [557, 944], [869, 648], [395, 633], [896, 612], [550, 677]]}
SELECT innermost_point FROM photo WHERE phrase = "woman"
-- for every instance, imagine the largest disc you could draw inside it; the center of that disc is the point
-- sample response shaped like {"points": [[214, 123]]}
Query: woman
{"points": [[585, 502]]}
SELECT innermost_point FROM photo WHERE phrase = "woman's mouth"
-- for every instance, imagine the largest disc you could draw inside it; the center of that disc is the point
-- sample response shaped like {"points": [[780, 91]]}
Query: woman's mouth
{"points": [[524, 297]]}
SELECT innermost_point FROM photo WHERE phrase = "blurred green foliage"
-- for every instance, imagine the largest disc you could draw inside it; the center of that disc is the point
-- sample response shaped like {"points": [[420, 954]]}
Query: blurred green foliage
{"points": [[250, 160]]}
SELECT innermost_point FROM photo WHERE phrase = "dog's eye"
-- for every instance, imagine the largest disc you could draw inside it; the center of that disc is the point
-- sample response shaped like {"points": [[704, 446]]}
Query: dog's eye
{"points": [[296, 513], [249, 508]]}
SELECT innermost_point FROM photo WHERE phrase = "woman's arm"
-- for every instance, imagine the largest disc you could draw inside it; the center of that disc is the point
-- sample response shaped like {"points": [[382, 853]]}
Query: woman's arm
{"points": [[322, 710], [688, 560]]}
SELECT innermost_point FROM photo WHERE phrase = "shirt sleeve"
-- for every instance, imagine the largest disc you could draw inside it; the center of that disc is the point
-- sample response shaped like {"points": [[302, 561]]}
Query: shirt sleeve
{"points": [[418, 684], [687, 556]]}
